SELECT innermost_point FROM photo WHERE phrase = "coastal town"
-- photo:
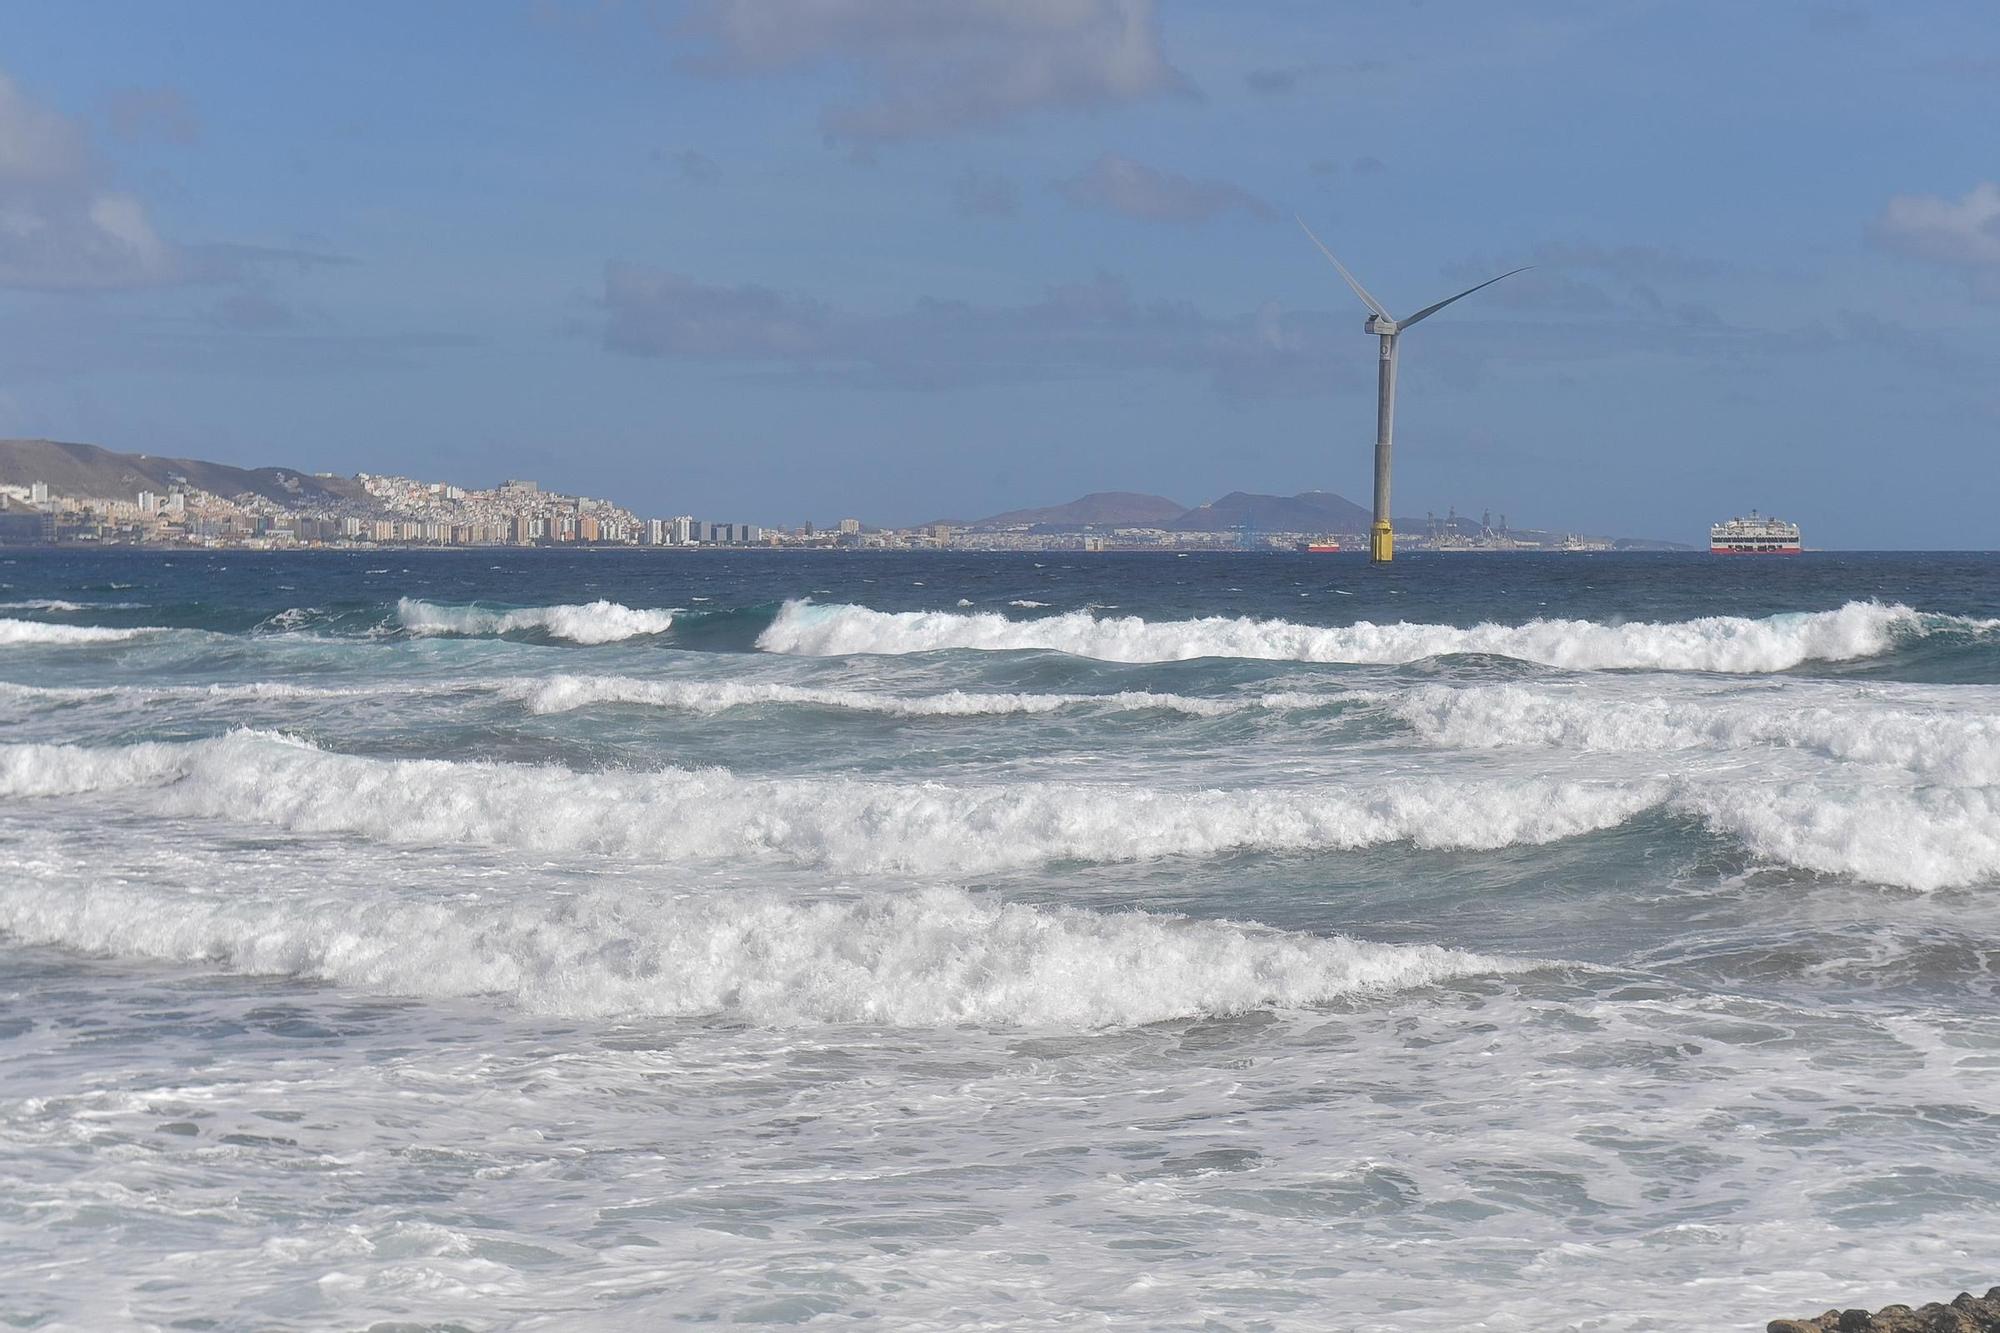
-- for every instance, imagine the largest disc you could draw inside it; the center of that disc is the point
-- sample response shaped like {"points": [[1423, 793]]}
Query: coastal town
{"points": [[100, 498]]}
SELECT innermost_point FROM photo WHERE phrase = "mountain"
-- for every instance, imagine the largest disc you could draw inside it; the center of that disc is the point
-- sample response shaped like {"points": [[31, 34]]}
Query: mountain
{"points": [[1309, 511], [1114, 509], [86, 471]]}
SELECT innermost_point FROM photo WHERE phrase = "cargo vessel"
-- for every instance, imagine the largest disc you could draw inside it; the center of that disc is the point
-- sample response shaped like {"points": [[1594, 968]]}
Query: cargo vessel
{"points": [[1323, 546], [1758, 534]]}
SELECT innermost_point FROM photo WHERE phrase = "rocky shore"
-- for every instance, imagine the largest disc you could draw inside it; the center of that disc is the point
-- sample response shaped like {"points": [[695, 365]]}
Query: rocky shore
{"points": [[1965, 1314]]}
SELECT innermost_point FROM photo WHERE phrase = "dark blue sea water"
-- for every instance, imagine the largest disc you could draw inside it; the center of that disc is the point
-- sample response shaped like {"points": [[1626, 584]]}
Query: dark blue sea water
{"points": [[622, 939]]}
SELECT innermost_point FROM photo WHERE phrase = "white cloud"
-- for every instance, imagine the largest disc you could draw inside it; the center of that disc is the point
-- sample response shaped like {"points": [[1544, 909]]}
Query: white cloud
{"points": [[62, 225], [1964, 232], [1119, 185], [935, 67]]}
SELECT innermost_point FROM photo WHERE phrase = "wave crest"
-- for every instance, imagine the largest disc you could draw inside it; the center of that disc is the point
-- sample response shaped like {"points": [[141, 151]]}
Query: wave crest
{"points": [[845, 825], [36, 631], [1957, 743], [563, 693], [1927, 839], [1713, 643], [939, 956], [1924, 838]]}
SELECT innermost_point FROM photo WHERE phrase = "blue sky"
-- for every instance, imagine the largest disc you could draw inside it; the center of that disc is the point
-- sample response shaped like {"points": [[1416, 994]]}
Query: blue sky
{"points": [[906, 259]]}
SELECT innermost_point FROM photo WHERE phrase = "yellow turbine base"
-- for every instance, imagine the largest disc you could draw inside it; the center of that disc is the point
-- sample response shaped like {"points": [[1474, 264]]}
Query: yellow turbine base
{"points": [[1381, 544]]}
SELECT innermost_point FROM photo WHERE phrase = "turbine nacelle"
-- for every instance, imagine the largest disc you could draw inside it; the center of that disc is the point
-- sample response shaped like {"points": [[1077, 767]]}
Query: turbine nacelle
{"points": [[1380, 325]]}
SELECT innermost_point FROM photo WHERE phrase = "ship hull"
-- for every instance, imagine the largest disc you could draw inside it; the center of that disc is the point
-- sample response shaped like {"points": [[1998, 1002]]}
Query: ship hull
{"points": [[1754, 550]]}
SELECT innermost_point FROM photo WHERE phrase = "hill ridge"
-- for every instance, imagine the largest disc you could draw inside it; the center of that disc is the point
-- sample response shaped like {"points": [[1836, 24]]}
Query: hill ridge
{"points": [[90, 471]]}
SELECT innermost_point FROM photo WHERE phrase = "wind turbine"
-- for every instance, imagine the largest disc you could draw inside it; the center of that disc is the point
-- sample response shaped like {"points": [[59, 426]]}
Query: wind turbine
{"points": [[1382, 540]]}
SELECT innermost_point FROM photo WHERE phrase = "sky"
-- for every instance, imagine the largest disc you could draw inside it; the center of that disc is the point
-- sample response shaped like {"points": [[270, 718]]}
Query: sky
{"points": [[780, 260]]}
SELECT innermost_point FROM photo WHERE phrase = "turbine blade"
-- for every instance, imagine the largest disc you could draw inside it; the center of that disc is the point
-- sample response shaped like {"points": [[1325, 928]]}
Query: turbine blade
{"points": [[1433, 309], [1359, 290]]}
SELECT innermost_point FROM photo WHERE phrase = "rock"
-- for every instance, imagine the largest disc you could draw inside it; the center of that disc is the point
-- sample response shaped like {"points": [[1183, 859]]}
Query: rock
{"points": [[1966, 1314]]}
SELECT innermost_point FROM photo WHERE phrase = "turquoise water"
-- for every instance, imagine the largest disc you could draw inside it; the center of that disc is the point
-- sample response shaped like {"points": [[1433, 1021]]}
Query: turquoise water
{"points": [[1239, 941]]}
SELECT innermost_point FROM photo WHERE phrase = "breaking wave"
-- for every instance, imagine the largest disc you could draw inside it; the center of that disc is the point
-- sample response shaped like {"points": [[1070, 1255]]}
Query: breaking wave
{"points": [[1924, 838], [1933, 838], [1958, 742], [927, 958], [35, 631], [563, 693], [257, 691], [1713, 643], [590, 622], [839, 824], [59, 604]]}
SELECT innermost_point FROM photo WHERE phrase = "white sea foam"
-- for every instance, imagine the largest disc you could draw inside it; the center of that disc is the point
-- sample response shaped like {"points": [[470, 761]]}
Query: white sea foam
{"points": [[37, 632], [1027, 603], [562, 693], [1957, 740], [841, 824], [590, 622], [66, 770], [1713, 643], [931, 957]]}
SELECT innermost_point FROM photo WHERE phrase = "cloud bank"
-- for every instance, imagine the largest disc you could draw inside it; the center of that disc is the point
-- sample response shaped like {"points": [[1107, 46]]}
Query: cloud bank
{"points": [[63, 227], [1115, 184], [1076, 330], [925, 70]]}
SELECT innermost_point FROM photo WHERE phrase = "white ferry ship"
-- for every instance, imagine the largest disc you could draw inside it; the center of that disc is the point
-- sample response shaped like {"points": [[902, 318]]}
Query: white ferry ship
{"points": [[1758, 534]]}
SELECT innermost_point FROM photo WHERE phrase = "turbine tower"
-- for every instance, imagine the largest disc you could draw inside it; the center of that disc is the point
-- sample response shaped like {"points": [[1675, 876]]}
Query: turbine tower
{"points": [[1382, 540]]}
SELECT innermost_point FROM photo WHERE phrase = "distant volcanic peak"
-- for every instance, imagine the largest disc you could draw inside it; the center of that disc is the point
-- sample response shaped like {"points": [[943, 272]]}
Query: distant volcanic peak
{"points": [[1119, 509], [1309, 511]]}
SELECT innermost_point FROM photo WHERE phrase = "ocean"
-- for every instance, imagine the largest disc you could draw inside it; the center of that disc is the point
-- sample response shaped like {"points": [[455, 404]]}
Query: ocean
{"points": [[497, 939]]}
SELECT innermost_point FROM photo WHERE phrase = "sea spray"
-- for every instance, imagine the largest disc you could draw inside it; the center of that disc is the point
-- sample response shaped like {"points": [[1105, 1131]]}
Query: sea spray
{"points": [[588, 623]]}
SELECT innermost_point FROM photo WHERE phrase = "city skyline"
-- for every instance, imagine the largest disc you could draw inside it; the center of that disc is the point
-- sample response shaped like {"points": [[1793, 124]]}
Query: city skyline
{"points": [[863, 262]]}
